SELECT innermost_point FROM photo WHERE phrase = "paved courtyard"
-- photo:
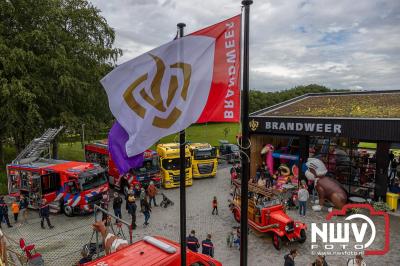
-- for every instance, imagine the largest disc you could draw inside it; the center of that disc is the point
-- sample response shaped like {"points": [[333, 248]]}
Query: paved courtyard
{"points": [[62, 245]]}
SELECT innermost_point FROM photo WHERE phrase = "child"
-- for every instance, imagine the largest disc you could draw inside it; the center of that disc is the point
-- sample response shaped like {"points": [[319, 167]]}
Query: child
{"points": [[15, 210], [233, 175], [215, 205], [230, 238], [236, 239]]}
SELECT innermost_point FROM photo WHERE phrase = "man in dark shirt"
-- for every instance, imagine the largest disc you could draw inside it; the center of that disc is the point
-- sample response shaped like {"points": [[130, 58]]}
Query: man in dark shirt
{"points": [[44, 213], [207, 247], [289, 258], [4, 212], [192, 241], [117, 203]]}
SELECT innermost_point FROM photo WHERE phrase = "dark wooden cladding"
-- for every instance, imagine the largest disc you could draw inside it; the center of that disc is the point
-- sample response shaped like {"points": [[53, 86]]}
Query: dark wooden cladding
{"points": [[365, 129]]}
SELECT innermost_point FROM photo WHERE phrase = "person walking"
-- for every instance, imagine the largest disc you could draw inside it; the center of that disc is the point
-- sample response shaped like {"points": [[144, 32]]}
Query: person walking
{"points": [[146, 211], [117, 203], [393, 171], [15, 210], [207, 247], [152, 192], [303, 196], [23, 208], [131, 208], [4, 213], [142, 198], [289, 258], [192, 242], [105, 199], [215, 205], [230, 238], [44, 213]]}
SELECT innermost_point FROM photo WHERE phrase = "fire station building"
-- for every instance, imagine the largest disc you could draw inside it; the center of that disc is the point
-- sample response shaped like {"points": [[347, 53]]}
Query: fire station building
{"points": [[356, 134]]}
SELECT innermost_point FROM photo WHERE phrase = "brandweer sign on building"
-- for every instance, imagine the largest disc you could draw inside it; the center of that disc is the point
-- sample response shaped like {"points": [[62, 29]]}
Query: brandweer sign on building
{"points": [[305, 127]]}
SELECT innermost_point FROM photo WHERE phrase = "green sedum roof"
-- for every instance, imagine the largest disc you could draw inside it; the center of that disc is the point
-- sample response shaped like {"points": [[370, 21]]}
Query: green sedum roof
{"points": [[352, 105]]}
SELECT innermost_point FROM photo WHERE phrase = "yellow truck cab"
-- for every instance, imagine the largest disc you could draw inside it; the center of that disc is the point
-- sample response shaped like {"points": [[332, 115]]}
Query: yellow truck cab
{"points": [[169, 164], [204, 160]]}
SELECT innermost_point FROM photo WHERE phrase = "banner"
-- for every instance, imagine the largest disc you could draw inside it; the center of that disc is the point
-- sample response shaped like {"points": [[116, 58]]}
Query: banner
{"points": [[191, 79]]}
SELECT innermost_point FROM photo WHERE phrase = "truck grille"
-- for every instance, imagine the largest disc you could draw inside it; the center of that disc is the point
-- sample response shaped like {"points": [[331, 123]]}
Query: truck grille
{"points": [[290, 227], [206, 168], [176, 178]]}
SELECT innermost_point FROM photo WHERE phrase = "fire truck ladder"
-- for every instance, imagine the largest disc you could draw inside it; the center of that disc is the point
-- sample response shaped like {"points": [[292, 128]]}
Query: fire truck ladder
{"points": [[38, 145]]}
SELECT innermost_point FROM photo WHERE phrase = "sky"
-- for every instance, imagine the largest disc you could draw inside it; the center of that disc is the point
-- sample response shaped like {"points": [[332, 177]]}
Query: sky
{"points": [[341, 44]]}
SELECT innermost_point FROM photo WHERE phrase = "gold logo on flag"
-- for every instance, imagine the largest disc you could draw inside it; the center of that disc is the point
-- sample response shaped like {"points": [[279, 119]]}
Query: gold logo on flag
{"points": [[155, 99], [253, 124]]}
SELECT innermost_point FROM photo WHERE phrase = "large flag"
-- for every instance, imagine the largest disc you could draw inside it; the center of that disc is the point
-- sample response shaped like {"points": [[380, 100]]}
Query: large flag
{"points": [[191, 79]]}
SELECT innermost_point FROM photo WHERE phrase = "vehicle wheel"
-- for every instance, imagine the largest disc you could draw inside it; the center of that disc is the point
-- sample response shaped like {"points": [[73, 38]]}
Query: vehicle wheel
{"points": [[68, 211], [277, 241], [303, 236], [236, 215]]}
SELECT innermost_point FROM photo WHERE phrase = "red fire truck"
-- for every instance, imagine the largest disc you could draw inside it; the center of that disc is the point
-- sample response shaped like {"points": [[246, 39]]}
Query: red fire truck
{"points": [[141, 176], [70, 187], [156, 251]]}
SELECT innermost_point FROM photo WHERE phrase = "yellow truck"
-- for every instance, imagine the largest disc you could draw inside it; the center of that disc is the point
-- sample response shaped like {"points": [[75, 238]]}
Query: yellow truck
{"points": [[169, 165], [204, 160]]}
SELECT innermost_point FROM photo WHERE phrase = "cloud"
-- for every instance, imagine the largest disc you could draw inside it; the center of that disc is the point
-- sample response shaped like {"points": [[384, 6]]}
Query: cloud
{"points": [[335, 43]]}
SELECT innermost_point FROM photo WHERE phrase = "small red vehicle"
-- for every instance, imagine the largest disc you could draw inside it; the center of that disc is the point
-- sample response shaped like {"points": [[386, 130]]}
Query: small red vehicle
{"points": [[155, 251], [268, 215], [68, 186], [140, 176]]}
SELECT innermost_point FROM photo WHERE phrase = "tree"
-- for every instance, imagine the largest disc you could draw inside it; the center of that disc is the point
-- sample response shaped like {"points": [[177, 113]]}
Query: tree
{"points": [[52, 55], [259, 100]]}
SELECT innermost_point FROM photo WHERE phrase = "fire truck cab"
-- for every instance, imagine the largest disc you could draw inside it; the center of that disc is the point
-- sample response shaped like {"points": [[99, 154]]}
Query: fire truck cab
{"points": [[204, 160], [140, 176], [68, 186], [155, 251], [170, 165]]}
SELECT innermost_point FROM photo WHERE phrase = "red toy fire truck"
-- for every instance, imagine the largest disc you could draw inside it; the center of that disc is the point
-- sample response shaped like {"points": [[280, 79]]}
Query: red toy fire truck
{"points": [[140, 176], [266, 214], [68, 186]]}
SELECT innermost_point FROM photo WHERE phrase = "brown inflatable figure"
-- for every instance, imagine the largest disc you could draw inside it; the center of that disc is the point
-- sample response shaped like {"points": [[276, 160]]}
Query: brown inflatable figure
{"points": [[328, 188]]}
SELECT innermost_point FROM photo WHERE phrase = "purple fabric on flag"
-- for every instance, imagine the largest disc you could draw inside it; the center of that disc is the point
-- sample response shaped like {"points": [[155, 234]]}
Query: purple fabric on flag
{"points": [[117, 137]]}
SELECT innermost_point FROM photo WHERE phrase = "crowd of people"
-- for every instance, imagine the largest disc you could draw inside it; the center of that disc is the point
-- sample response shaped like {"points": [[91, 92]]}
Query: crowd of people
{"points": [[19, 210], [393, 177], [146, 198]]}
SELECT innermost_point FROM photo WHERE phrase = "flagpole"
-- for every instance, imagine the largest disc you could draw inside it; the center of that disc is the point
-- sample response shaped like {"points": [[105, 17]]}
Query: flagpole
{"points": [[182, 175], [245, 138]]}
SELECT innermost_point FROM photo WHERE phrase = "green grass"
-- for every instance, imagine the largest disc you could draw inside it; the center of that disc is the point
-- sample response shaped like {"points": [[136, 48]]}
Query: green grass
{"points": [[209, 133], [71, 151]]}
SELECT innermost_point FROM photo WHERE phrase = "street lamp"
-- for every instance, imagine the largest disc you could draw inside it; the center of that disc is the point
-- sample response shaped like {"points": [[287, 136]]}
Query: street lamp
{"points": [[83, 135]]}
